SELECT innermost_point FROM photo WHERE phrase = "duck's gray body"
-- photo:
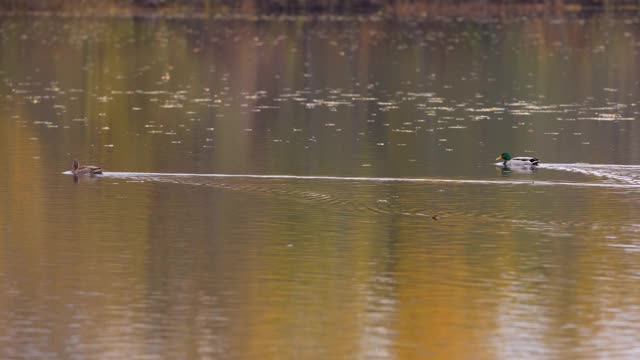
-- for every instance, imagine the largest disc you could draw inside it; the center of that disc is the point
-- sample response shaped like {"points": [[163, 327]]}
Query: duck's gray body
{"points": [[518, 161], [522, 161]]}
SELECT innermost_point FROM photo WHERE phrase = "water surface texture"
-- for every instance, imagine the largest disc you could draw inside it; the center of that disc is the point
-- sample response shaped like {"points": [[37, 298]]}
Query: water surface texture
{"points": [[319, 190]]}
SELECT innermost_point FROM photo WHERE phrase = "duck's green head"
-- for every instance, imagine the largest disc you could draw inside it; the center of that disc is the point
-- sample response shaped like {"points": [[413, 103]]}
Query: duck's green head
{"points": [[504, 156]]}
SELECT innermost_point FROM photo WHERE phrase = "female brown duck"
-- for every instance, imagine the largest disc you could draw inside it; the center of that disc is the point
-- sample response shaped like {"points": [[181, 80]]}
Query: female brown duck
{"points": [[84, 170]]}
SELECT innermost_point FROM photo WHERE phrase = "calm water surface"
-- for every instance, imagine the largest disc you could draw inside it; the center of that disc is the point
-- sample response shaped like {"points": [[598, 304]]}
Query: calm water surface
{"points": [[392, 236]]}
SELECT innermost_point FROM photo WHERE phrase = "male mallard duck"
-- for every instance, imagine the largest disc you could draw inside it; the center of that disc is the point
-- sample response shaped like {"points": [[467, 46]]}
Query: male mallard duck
{"points": [[520, 161], [84, 170]]}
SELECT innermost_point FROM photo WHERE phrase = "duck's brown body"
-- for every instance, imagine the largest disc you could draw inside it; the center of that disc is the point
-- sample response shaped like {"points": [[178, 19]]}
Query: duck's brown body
{"points": [[84, 170]]}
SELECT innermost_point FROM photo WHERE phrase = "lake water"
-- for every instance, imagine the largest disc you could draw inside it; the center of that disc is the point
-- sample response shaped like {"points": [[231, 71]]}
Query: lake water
{"points": [[319, 190]]}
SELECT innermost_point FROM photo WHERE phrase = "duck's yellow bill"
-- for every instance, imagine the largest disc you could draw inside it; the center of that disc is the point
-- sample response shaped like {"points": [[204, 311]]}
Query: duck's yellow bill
{"points": [[499, 157]]}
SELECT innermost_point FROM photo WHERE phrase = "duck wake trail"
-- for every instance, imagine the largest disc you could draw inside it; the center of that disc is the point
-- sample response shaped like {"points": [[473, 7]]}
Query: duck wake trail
{"points": [[618, 176], [628, 175]]}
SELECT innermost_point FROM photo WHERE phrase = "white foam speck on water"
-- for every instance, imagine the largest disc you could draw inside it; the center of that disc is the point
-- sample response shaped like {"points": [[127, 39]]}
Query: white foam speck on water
{"points": [[627, 176], [626, 247]]}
